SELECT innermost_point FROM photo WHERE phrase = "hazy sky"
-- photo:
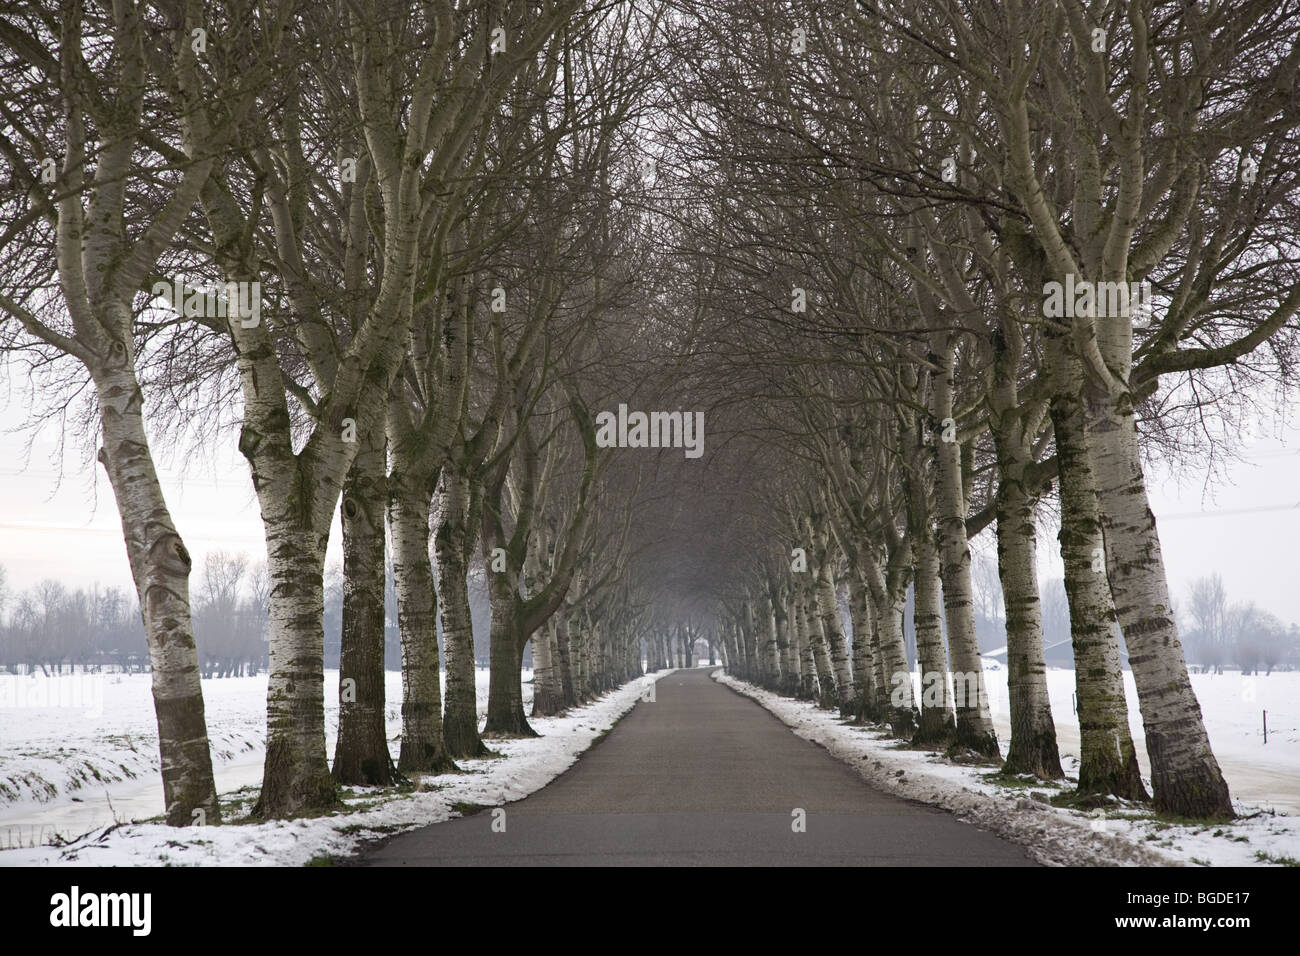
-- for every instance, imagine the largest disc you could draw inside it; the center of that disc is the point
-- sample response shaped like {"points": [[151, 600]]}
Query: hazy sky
{"points": [[1244, 528], [70, 529]]}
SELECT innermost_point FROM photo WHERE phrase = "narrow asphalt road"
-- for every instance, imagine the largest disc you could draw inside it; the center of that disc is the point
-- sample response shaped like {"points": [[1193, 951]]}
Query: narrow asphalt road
{"points": [[703, 776]]}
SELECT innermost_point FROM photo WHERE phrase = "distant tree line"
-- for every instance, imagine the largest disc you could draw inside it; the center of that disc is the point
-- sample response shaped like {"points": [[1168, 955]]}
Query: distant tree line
{"points": [[1220, 634], [1239, 634], [48, 628], [51, 628]]}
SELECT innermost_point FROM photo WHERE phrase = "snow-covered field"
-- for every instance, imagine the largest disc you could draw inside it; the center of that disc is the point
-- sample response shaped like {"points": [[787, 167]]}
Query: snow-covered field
{"points": [[1264, 779], [1260, 774], [78, 754], [75, 771]]}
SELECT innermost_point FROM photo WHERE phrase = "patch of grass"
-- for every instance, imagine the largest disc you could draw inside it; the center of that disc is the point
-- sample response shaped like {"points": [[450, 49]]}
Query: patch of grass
{"points": [[1010, 781], [488, 754], [1074, 800], [600, 737], [323, 859], [1176, 820], [353, 829], [1263, 857], [860, 724], [1199, 862], [370, 801], [1165, 821], [465, 809], [960, 754]]}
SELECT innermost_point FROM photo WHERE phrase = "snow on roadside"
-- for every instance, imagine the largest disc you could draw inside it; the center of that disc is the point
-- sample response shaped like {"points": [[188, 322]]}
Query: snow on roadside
{"points": [[1059, 836], [523, 767]]}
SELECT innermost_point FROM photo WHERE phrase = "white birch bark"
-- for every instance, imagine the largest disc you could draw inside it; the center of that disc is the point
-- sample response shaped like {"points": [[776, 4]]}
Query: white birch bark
{"points": [[361, 753], [410, 496], [820, 652], [888, 587], [1108, 759], [936, 724], [864, 680], [452, 545], [832, 625], [160, 566], [1185, 775], [807, 667], [974, 721], [772, 643], [1033, 749], [99, 273], [548, 689]]}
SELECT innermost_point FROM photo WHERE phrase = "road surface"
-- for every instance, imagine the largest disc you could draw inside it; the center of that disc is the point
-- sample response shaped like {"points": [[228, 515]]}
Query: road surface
{"points": [[703, 776]]}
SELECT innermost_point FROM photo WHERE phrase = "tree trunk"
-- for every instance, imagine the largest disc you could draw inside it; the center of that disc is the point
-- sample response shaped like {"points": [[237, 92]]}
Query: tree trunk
{"points": [[460, 720], [505, 715], [1108, 759], [974, 721], [807, 666], [1033, 748], [787, 645], [297, 774], [1184, 774], [361, 753], [160, 566], [821, 652], [548, 690], [410, 495], [578, 652], [566, 662], [936, 725], [888, 586], [880, 655], [833, 627], [772, 645], [864, 690]]}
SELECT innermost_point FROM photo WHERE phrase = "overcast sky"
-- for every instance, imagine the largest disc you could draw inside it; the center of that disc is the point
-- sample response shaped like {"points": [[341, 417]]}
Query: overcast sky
{"points": [[71, 530], [1244, 528]]}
